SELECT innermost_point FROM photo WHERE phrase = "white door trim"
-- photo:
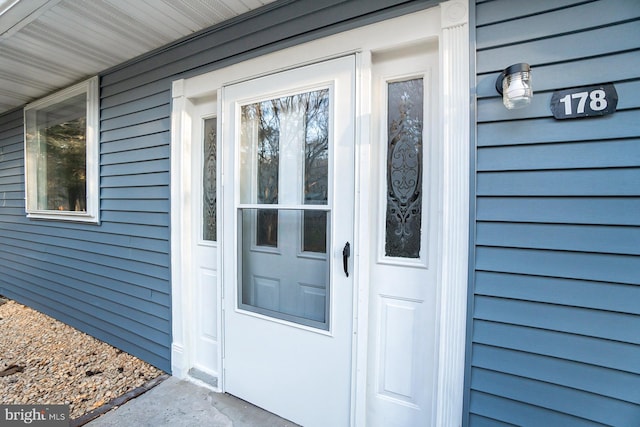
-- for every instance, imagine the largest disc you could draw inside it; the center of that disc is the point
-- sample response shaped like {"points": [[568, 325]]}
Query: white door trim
{"points": [[454, 98], [180, 230], [449, 24]]}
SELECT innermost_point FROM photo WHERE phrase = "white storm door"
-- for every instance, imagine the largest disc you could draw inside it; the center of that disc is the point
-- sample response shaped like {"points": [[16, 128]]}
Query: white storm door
{"points": [[289, 199], [204, 253]]}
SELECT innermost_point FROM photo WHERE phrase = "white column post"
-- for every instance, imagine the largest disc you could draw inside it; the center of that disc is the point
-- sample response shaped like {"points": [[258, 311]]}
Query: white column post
{"points": [[454, 55], [180, 156]]}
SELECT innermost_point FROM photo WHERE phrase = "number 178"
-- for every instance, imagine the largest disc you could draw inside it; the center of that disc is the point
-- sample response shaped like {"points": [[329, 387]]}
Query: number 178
{"points": [[597, 101]]}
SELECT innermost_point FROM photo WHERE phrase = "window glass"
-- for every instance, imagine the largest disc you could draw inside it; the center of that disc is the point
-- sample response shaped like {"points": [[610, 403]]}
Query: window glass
{"points": [[61, 145], [285, 221], [282, 135], [209, 186], [404, 168]]}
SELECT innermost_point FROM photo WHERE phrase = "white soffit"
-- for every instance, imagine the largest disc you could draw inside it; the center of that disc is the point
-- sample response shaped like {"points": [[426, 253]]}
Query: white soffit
{"points": [[46, 45]]}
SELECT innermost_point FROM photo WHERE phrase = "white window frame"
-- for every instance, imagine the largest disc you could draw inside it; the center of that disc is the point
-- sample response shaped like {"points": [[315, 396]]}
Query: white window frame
{"points": [[91, 215]]}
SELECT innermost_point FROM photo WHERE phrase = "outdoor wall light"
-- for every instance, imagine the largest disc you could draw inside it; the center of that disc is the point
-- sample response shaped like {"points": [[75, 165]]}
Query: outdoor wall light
{"points": [[514, 84]]}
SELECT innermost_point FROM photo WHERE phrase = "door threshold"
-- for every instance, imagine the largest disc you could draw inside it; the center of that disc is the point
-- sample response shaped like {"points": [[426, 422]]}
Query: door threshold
{"points": [[208, 379]]}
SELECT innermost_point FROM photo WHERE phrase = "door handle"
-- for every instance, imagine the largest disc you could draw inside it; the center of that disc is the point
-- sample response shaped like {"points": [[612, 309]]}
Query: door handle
{"points": [[346, 253]]}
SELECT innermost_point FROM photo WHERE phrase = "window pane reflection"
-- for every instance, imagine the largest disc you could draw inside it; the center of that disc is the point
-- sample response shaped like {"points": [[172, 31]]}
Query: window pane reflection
{"points": [[62, 155], [284, 155], [315, 231]]}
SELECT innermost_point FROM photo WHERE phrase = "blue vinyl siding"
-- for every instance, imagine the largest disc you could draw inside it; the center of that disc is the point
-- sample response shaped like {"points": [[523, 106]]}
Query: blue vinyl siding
{"points": [[113, 280], [554, 336], [107, 280]]}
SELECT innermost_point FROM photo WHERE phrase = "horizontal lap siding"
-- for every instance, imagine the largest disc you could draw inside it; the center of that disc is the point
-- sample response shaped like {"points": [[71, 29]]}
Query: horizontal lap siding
{"points": [[555, 334], [113, 280], [135, 99], [107, 280]]}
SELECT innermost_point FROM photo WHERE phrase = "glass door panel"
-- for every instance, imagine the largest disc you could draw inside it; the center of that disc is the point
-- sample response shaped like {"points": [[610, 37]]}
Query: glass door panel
{"points": [[286, 283], [283, 223]]}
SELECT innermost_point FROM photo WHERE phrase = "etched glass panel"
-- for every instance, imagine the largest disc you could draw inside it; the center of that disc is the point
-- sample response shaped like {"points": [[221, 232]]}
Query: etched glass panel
{"points": [[209, 170], [404, 168]]}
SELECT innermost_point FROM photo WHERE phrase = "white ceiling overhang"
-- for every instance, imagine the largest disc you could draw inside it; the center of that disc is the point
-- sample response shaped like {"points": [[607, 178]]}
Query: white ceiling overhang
{"points": [[46, 45]]}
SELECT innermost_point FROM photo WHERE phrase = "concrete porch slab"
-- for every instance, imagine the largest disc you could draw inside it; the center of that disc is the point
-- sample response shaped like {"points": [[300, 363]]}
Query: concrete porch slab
{"points": [[178, 403]]}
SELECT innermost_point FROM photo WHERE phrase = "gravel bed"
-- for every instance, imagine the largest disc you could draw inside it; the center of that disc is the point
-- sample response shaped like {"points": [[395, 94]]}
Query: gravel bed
{"points": [[44, 361]]}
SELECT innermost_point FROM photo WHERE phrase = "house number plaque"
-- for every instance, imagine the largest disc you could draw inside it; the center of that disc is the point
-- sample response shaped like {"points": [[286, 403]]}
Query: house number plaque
{"points": [[586, 101]]}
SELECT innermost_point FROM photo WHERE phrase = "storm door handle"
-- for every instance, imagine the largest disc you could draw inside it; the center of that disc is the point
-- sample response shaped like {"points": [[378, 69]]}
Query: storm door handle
{"points": [[346, 253]]}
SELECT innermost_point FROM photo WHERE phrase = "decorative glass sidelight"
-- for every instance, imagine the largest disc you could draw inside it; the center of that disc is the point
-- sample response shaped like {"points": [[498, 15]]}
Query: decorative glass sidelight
{"points": [[209, 187], [404, 168]]}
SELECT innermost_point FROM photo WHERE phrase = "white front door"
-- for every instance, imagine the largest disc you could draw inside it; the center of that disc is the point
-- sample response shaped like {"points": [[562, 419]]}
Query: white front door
{"points": [[288, 189]]}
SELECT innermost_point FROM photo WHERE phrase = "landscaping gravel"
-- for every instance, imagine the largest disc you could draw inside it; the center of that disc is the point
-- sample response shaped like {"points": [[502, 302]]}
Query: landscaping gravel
{"points": [[44, 361]]}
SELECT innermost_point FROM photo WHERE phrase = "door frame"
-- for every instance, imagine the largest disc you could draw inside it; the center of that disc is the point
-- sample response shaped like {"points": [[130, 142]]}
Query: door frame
{"points": [[448, 24]]}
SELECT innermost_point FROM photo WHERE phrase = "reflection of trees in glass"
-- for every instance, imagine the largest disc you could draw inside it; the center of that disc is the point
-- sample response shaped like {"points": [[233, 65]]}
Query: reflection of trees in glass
{"points": [[404, 169], [316, 167], [65, 146], [271, 116], [267, 115], [308, 113], [315, 231]]}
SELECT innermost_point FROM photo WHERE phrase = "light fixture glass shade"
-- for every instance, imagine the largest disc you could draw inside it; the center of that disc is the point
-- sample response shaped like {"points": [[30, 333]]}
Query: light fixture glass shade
{"points": [[515, 86]]}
